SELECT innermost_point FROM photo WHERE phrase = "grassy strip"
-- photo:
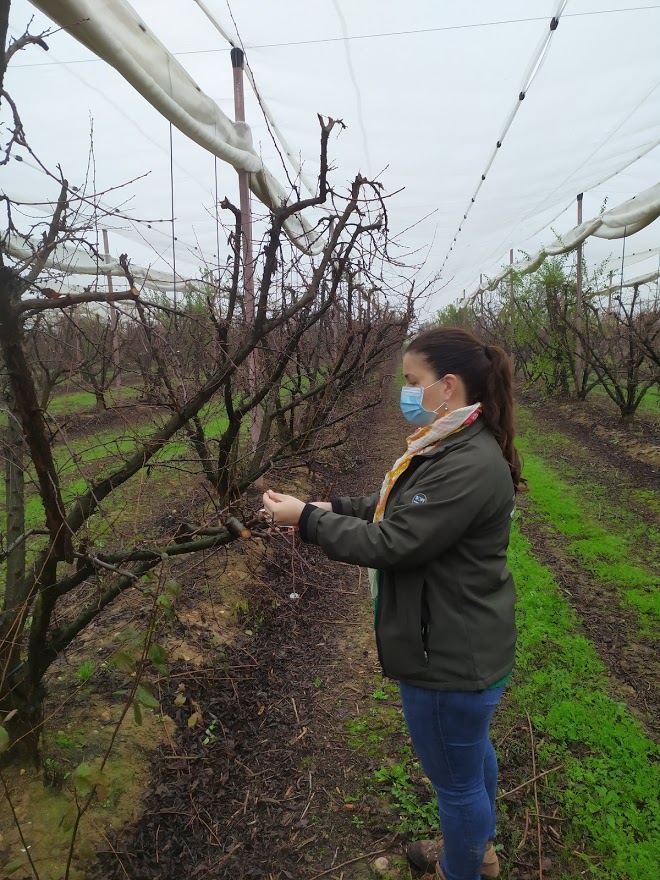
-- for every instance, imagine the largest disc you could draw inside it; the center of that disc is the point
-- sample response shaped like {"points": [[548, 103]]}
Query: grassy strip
{"points": [[81, 402], [610, 786], [102, 522], [649, 404], [609, 556], [620, 510], [108, 447], [84, 401]]}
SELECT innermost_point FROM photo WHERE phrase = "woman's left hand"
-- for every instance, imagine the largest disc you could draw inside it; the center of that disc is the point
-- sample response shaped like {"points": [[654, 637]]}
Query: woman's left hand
{"points": [[284, 509]]}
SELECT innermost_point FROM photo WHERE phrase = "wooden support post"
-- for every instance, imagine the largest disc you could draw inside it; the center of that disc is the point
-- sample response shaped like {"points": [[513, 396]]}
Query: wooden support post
{"points": [[237, 61]]}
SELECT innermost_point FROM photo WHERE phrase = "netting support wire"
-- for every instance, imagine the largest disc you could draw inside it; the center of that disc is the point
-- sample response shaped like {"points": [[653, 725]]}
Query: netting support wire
{"points": [[296, 163], [173, 223], [537, 59], [237, 63]]}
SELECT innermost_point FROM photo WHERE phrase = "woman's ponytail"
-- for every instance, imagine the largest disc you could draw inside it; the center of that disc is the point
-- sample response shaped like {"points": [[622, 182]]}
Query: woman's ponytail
{"points": [[497, 402]]}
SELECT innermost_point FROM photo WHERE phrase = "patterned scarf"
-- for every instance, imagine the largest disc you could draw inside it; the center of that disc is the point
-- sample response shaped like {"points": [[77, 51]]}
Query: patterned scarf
{"points": [[420, 441]]}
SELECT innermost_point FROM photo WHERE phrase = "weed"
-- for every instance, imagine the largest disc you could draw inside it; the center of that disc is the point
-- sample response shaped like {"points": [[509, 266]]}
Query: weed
{"points": [[416, 809], [381, 732], [209, 733], [85, 671]]}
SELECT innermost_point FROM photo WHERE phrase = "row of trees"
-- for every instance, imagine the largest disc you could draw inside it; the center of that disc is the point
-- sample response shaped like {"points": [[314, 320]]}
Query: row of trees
{"points": [[200, 374], [612, 342]]}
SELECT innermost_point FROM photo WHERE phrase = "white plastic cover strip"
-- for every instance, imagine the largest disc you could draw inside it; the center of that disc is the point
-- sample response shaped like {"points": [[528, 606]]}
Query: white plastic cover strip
{"points": [[632, 282], [619, 222], [114, 31], [77, 262]]}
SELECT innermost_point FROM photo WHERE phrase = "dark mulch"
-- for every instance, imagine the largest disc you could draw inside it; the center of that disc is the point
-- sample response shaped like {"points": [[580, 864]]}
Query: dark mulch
{"points": [[247, 802]]}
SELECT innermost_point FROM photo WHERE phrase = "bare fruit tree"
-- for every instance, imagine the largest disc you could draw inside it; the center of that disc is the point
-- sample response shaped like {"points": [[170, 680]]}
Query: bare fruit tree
{"points": [[322, 327]]}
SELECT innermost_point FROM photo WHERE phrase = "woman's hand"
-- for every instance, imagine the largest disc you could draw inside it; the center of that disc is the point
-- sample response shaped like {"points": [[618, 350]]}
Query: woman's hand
{"points": [[284, 509]]}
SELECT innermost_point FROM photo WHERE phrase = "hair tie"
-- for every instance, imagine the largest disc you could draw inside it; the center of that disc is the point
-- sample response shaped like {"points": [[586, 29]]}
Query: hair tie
{"points": [[488, 352]]}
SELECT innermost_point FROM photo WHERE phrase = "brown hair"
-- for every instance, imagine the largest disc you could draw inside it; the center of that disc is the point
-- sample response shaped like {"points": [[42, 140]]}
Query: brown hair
{"points": [[487, 375]]}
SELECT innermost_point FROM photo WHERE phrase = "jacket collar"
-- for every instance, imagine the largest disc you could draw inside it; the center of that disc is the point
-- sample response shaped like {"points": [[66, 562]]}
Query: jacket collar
{"points": [[464, 434]]}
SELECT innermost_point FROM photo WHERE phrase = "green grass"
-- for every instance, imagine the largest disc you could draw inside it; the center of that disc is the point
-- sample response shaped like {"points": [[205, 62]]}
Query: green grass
{"points": [[608, 550], [649, 405], [73, 402], [620, 509], [649, 499], [84, 401], [107, 449], [610, 783]]}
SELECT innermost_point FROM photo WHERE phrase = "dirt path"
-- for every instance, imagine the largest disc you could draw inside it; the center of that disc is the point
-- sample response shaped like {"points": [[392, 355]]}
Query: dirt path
{"points": [[243, 794]]}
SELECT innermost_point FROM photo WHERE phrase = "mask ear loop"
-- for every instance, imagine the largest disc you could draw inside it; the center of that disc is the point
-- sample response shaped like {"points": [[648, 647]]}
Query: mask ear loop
{"points": [[443, 406]]}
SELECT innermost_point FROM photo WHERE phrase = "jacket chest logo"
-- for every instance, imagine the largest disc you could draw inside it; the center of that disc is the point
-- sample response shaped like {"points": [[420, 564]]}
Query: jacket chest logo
{"points": [[419, 499]]}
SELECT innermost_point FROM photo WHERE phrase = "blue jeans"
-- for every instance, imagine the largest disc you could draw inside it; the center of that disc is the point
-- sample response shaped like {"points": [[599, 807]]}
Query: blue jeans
{"points": [[449, 730]]}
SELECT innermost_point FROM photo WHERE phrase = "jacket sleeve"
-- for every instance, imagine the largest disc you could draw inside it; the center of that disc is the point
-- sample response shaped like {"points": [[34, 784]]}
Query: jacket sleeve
{"points": [[414, 532], [362, 506]]}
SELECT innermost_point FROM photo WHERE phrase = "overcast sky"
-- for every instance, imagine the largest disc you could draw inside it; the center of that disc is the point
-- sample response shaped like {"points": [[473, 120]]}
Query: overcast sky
{"points": [[425, 88]]}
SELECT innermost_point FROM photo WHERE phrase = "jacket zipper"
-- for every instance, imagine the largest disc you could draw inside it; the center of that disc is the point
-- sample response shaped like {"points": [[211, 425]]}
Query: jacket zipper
{"points": [[425, 621]]}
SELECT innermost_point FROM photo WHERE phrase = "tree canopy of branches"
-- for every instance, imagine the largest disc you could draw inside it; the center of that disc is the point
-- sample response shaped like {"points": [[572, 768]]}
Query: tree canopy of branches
{"points": [[613, 344], [321, 328]]}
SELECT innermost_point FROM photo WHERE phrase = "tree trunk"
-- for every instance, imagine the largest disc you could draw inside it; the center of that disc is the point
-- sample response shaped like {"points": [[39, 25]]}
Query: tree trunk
{"points": [[4, 25], [44, 396], [25, 727], [15, 505]]}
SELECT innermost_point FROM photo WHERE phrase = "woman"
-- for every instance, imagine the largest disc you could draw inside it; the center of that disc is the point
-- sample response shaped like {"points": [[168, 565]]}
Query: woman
{"points": [[435, 538]]}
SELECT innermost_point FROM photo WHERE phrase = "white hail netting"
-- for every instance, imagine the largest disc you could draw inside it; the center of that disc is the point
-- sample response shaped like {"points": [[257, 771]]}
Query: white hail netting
{"points": [[623, 220], [425, 88]]}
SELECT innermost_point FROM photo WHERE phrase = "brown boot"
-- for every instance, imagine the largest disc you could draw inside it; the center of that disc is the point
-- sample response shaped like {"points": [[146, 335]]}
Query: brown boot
{"points": [[426, 854]]}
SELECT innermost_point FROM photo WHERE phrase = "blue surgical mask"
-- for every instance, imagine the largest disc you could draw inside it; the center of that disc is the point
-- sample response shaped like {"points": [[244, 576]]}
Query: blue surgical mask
{"points": [[412, 408]]}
